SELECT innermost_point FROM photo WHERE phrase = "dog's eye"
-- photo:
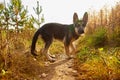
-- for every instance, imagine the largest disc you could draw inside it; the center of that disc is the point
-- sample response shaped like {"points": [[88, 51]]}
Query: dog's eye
{"points": [[76, 25]]}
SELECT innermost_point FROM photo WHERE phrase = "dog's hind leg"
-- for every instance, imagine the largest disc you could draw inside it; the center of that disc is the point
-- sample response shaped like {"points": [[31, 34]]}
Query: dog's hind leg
{"points": [[45, 50]]}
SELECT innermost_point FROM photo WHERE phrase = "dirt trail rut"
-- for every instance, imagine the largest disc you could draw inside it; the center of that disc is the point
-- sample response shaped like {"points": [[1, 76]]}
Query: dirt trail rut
{"points": [[60, 70]]}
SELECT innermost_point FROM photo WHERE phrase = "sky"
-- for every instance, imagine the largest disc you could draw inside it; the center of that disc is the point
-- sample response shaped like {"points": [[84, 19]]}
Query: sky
{"points": [[61, 11]]}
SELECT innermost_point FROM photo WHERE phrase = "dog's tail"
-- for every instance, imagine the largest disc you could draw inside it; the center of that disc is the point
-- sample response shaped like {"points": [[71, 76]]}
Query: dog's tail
{"points": [[34, 40]]}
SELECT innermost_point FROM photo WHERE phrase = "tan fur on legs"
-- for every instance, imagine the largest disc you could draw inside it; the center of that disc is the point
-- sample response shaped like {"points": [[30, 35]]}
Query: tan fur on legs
{"points": [[73, 48], [45, 51], [67, 52], [72, 51]]}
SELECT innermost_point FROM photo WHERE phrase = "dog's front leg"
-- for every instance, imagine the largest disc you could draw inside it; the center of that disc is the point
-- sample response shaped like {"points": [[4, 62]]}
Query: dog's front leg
{"points": [[67, 51], [73, 48]]}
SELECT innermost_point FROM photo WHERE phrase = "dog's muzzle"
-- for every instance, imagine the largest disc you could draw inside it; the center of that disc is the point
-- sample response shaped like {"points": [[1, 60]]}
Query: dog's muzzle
{"points": [[80, 31]]}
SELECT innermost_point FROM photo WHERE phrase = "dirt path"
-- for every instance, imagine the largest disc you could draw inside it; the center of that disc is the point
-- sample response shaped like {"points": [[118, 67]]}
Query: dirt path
{"points": [[60, 70]]}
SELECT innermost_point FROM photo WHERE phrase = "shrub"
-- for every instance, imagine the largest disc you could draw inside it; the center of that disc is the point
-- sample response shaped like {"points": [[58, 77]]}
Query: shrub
{"points": [[97, 38]]}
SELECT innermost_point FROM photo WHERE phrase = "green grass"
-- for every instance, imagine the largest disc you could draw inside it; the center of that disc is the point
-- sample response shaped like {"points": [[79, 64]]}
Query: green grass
{"points": [[97, 38]]}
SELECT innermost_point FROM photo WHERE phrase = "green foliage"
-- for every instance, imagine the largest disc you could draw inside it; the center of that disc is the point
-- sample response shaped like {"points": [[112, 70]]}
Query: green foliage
{"points": [[97, 38], [38, 11], [4, 18], [29, 24], [86, 53], [1, 6], [16, 5], [14, 14], [82, 55], [18, 13]]}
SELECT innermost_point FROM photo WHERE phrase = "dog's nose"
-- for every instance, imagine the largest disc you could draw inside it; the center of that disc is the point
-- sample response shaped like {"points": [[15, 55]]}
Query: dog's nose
{"points": [[81, 31]]}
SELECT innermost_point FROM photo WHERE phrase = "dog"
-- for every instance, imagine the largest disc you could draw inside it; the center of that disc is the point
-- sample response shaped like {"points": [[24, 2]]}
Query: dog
{"points": [[65, 33]]}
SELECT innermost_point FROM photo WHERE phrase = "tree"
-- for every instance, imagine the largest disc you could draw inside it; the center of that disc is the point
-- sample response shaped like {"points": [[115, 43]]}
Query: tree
{"points": [[18, 14], [38, 11], [15, 15]]}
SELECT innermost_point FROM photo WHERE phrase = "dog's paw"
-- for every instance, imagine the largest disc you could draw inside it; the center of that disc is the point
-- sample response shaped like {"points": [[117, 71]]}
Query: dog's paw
{"points": [[52, 60], [52, 56], [70, 57]]}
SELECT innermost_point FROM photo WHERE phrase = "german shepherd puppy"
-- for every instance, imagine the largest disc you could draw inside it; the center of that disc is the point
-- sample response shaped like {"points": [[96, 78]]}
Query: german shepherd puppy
{"points": [[65, 33]]}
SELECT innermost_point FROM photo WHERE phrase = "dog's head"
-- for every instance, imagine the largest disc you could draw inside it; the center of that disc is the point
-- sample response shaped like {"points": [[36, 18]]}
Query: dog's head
{"points": [[80, 24]]}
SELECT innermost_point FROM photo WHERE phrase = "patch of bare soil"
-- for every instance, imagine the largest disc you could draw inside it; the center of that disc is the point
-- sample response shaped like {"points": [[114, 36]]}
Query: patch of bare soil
{"points": [[59, 70]]}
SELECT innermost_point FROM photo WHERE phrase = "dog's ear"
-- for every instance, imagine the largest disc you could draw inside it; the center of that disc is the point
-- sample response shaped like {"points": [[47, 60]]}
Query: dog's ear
{"points": [[85, 18], [75, 18]]}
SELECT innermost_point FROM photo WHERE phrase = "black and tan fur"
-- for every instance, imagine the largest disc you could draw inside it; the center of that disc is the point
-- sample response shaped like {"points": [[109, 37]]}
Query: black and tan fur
{"points": [[65, 33]]}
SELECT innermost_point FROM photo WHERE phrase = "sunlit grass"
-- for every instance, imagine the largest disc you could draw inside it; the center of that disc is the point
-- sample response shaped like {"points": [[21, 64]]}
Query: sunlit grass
{"points": [[97, 64]]}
